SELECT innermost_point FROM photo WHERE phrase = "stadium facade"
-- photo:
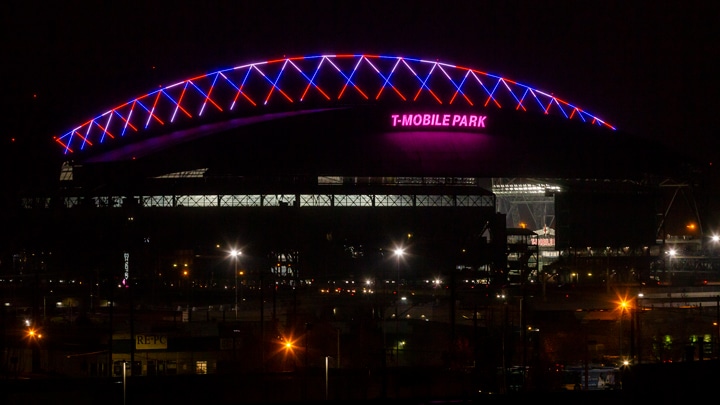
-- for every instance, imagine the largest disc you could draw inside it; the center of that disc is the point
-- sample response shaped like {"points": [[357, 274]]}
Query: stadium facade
{"points": [[342, 157]]}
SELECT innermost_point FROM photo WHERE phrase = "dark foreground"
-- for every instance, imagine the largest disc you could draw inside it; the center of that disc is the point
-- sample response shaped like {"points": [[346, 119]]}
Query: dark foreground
{"points": [[661, 384]]}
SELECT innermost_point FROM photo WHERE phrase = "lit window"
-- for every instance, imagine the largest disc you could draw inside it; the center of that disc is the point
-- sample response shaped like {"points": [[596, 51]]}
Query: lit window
{"points": [[201, 367]]}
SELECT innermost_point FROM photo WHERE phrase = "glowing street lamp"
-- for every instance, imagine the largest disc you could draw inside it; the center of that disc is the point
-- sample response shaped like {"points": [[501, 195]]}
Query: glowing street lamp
{"points": [[235, 254], [34, 334]]}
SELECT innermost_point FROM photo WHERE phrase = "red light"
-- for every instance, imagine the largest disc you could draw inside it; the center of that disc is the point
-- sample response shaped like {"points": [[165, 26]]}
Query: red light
{"points": [[220, 87]]}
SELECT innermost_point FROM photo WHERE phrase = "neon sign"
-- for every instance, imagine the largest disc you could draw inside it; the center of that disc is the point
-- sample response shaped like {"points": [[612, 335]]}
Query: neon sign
{"points": [[438, 120]]}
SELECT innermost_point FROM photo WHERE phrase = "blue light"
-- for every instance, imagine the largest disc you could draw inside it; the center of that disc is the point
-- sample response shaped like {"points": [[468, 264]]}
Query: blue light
{"points": [[195, 93]]}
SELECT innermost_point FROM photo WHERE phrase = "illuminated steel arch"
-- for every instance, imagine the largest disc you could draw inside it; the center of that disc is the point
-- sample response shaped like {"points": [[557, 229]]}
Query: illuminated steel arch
{"points": [[309, 80]]}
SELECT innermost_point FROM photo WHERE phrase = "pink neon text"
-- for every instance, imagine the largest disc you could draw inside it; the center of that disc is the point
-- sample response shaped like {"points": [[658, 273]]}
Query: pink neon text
{"points": [[438, 120]]}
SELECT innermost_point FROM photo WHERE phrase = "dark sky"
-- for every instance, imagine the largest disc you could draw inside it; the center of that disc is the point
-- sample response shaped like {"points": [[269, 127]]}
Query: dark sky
{"points": [[646, 67]]}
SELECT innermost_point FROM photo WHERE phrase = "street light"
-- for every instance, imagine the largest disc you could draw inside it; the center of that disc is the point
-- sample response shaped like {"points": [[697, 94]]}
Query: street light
{"points": [[399, 252], [671, 253], [638, 321], [185, 274], [34, 334], [623, 305], [235, 254]]}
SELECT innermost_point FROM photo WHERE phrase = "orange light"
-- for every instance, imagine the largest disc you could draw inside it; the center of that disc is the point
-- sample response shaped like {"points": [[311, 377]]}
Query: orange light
{"points": [[33, 334], [624, 303]]}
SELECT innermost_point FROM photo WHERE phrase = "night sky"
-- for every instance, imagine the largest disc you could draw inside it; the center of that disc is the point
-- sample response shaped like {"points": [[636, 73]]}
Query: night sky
{"points": [[648, 68]]}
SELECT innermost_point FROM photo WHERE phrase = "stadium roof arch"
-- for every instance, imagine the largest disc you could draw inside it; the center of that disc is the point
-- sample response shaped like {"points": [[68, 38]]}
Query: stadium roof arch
{"points": [[354, 115]]}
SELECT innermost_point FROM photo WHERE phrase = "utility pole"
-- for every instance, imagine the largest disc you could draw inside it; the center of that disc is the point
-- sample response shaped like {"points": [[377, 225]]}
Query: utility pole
{"points": [[262, 317], [717, 323]]}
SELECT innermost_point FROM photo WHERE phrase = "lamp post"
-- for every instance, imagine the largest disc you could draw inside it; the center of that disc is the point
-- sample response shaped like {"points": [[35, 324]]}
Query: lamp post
{"points": [[124, 381], [399, 252], [671, 254], [327, 362], [235, 254], [623, 307], [186, 276], [717, 325], [638, 322]]}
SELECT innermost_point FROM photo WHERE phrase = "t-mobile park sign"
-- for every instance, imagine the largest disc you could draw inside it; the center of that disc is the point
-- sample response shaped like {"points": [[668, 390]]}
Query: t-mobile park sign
{"points": [[438, 120]]}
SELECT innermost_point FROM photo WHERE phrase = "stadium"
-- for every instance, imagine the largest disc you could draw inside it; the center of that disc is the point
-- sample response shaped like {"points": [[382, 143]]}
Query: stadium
{"points": [[352, 153], [239, 189]]}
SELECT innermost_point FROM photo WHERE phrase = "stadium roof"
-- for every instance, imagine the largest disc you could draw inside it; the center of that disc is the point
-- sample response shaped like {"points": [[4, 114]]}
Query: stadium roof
{"points": [[356, 115]]}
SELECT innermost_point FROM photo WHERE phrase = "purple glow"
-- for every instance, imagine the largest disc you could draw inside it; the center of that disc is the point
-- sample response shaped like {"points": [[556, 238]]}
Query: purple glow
{"points": [[430, 151]]}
